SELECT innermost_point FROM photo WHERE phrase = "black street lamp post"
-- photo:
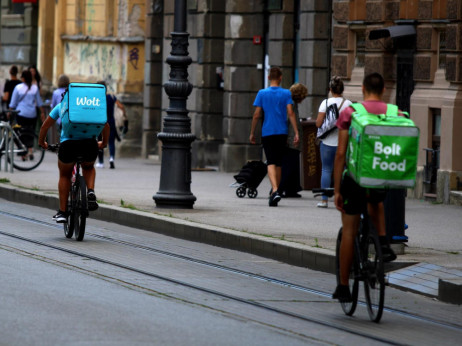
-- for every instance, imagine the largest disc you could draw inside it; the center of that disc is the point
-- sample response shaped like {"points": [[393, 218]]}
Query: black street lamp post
{"points": [[175, 175]]}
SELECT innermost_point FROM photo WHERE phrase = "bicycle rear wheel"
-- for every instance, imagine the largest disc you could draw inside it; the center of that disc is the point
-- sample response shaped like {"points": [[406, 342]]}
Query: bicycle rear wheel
{"points": [[27, 154], [374, 280], [81, 210], [353, 282]]}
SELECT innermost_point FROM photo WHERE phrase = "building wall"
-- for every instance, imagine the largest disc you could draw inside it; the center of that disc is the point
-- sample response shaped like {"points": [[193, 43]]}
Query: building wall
{"points": [[18, 36], [91, 40], [437, 73]]}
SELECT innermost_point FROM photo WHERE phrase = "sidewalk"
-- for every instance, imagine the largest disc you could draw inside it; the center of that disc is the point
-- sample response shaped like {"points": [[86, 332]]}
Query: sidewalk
{"points": [[435, 231]]}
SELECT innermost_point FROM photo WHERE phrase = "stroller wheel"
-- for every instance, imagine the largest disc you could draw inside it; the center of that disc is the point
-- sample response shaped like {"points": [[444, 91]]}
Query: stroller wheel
{"points": [[252, 193], [240, 192]]}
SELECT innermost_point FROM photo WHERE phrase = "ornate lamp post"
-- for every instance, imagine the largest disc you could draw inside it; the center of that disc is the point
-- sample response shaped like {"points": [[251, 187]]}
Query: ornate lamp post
{"points": [[175, 176]]}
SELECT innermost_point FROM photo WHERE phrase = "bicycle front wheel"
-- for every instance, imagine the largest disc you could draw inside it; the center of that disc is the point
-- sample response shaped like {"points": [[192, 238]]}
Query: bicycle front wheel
{"points": [[353, 282], [81, 210], [27, 154], [374, 279], [69, 225]]}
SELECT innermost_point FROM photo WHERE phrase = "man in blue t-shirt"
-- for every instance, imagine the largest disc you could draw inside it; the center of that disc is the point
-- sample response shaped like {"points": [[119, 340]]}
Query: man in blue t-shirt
{"points": [[277, 105]]}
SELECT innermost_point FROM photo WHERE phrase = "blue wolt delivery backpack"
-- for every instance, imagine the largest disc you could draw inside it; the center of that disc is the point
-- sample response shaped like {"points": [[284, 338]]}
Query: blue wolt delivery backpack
{"points": [[83, 110]]}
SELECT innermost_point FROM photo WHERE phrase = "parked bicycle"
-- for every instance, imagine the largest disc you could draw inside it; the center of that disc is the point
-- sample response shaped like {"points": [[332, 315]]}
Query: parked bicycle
{"points": [[367, 266], [27, 155], [77, 205]]}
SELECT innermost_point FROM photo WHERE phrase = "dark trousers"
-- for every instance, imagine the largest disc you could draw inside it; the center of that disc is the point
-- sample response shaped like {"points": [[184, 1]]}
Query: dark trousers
{"points": [[290, 180]]}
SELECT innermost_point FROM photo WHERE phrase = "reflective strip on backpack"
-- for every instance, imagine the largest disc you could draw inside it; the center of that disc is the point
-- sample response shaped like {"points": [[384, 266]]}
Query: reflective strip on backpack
{"points": [[373, 182], [392, 131]]}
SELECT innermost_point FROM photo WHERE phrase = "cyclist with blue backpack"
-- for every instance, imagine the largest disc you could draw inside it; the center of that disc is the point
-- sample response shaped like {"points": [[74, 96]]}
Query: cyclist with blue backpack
{"points": [[83, 117]]}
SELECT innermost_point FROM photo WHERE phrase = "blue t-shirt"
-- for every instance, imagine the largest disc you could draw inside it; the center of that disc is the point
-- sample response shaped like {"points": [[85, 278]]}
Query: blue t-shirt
{"points": [[54, 114], [274, 101]]}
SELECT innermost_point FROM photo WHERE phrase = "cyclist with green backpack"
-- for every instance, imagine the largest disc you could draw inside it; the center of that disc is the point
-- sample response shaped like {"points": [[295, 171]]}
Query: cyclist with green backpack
{"points": [[350, 197]]}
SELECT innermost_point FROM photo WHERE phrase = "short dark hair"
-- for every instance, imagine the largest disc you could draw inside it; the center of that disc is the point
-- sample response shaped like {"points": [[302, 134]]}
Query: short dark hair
{"points": [[374, 83], [275, 73], [336, 85], [14, 70]]}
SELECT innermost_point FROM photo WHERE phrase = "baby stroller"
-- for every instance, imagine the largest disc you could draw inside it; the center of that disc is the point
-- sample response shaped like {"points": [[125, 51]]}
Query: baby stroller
{"points": [[248, 179]]}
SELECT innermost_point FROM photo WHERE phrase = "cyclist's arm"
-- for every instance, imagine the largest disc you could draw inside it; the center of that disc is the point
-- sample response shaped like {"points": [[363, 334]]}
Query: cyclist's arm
{"points": [[106, 131], [339, 165], [49, 122]]}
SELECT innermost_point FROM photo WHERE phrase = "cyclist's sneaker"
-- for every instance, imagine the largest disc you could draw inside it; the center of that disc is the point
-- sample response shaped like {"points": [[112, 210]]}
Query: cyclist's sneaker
{"points": [[91, 198], [342, 293], [60, 217], [388, 254]]}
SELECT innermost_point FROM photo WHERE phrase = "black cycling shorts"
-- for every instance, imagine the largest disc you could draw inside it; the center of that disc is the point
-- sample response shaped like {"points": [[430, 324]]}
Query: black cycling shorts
{"points": [[274, 147], [355, 197], [70, 150]]}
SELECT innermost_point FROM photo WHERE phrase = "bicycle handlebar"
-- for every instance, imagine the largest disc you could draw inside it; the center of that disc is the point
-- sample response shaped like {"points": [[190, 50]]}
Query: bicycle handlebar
{"points": [[53, 147]]}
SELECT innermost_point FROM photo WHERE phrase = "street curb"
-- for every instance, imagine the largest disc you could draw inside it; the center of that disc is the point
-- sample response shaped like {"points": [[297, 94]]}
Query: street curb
{"points": [[280, 250]]}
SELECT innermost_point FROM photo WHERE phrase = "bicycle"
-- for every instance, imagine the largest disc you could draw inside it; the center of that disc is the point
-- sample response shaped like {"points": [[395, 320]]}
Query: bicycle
{"points": [[367, 266], [77, 205], [27, 155]]}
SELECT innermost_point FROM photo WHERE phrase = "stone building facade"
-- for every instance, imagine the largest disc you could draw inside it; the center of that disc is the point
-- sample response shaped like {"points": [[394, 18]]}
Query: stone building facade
{"points": [[423, 73], [88, 40], [232, 43]]}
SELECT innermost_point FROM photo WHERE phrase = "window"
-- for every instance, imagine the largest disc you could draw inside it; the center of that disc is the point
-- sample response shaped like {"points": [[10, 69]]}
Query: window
{"points": [[360, 52], [442, 49], [436, 127]]}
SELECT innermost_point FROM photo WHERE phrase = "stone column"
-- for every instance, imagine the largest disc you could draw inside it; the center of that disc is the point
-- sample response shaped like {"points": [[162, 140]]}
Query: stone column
{"points": [[242, 80], [152, 100], [206, 22]]}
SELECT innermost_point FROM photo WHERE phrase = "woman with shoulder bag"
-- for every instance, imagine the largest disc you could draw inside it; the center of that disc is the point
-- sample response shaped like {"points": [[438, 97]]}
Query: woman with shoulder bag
{"points": [[329, 142]]}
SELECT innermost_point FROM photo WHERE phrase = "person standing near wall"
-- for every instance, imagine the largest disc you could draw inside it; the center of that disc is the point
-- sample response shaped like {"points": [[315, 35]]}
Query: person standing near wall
{"points": [[277, 104], [328, 146], [290, 181]]}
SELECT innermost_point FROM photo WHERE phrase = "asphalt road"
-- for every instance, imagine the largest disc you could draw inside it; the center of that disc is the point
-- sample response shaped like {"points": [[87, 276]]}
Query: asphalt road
{"points": [[126, 286]]}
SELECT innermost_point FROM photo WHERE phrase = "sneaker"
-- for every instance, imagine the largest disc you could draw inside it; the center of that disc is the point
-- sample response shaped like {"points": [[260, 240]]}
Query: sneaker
{"points": [[322, 204], [342, 293], [388, 254], [111, 165], [99, 165], [31, 157], [60, 217], [274, 199], [91, 198]]}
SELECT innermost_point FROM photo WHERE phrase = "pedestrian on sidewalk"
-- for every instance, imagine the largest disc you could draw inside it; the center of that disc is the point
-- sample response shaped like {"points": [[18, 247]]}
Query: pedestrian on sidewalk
{"points": [[276, 104], [290, 180], [57, 97], [329, 143], [111, 102], [10, 84]]}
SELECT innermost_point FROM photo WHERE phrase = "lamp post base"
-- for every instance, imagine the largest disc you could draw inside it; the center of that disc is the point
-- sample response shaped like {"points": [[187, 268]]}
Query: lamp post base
{"points": [[174, 201]]}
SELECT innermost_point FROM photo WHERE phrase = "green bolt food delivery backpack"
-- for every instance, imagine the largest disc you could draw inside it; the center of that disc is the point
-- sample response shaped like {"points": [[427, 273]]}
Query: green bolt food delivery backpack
{"points": [[382, 148], [83, 110]]}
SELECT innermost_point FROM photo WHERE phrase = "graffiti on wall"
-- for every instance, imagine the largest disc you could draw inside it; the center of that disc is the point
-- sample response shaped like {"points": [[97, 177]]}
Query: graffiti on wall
{"points": [[93, 61]]}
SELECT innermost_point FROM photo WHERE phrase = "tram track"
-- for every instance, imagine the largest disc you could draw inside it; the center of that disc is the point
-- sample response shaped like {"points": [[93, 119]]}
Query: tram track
{"points": [[211, 291]]}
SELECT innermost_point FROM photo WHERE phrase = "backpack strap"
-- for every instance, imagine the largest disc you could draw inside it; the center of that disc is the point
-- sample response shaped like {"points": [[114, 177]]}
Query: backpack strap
{"points": [[392, 110], [359, 108]]}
